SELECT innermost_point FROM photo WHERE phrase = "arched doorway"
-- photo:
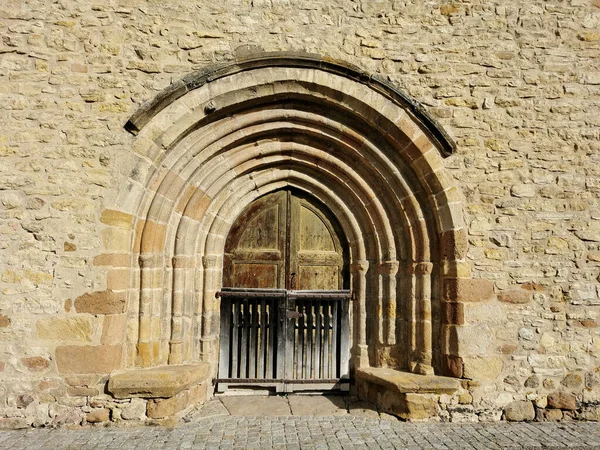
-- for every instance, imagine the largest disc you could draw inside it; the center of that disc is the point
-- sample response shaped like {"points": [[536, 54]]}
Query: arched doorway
{"points": [[285, 300], [217, 140]]}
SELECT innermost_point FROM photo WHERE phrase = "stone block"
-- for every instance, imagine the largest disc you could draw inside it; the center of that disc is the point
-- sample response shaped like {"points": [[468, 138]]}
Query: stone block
{"points": [[36, 363], [116, 219], [410, 406], [519, 411], [454, 244], [453, 313], [453, 366], [456, 269], [169, 407], [14, 423], [467, 290], [553, 415], [74, 391], [197, 206], [157, 382], [113, 329], [517, 296], [562, 400], [88, 359], [65, 329], [4, 321], [136, 410], [117, 279], [98, 416], [153, 237], [592, 414], [116, 240], [404, 382], [480, 313], [482, 368], [468, 340], [101, 302], [113, 260], [572, 381]]}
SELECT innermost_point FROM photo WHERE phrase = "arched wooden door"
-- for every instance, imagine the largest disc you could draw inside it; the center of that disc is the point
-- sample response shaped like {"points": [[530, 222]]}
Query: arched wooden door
{"points": [[284, 302]]}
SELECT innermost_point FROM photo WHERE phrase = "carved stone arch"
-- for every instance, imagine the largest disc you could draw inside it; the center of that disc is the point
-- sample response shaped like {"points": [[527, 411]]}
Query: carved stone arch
{"points": [[214, 141]]}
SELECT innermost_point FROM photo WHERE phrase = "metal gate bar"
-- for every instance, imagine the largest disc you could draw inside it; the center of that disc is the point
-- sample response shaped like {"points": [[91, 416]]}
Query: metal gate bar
{"points": [[281, 337]]}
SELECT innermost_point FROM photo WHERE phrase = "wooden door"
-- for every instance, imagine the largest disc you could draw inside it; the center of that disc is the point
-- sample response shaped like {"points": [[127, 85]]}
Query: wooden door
{"points": [[285, 240], [284, 310]]}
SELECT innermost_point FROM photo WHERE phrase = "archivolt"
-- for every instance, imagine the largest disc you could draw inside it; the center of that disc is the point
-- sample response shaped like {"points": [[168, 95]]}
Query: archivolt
{"points": [[217, 140]]}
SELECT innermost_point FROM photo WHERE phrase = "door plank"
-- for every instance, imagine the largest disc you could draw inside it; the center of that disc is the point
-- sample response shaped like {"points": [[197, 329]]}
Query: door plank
{"points": [[244, 340], [235, 328], [253, 331], [318, 340], [224, 340]]}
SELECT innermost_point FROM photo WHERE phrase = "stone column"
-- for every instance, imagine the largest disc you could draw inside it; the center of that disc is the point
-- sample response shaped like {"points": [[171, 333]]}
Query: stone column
{"points": [[210, 316], [422, 355], [150, 296], [181, 268], [388, 271], [360, 350]]}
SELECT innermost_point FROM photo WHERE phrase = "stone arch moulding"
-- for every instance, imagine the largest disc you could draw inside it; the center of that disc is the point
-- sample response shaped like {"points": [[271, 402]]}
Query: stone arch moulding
{"points": [[214, 141]]}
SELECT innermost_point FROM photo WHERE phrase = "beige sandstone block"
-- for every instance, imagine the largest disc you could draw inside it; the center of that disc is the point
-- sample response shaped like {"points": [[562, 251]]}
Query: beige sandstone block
{"points": [[113, 259], [157, 382], [66, 329], [517, 296], [116, 239], [519, 411], [482, 368], [554, 415], [88, 359], [117, 280], [36, 363], [454, 244], [102, 302], [113, 329], [562, 400], [467, 290], [153, 238], [116, 219], [164, 408], [415, 406], [98, 416]]}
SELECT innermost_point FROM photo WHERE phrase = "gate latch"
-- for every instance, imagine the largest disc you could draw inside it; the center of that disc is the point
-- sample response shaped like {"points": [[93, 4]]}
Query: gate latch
{"points": [[291, 314]]}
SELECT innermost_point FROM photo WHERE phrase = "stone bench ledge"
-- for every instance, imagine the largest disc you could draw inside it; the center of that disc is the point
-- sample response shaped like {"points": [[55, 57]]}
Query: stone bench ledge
{"points": [[405, 382], [157, 382]]}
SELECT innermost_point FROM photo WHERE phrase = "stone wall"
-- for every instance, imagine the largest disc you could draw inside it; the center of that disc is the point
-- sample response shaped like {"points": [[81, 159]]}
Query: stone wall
{"points": [[516, 84]]}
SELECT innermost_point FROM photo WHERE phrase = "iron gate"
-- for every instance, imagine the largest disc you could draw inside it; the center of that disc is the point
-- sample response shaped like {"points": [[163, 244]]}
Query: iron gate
{"points": [[289, 340]]}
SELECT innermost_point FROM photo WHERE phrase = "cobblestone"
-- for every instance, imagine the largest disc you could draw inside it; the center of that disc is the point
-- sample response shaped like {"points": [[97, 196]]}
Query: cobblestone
{"points": [[301, 432]]}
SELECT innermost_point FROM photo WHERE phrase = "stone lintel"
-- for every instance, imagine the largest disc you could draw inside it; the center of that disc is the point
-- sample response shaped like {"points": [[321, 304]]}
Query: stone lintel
{"points": [[405, 382], [157, 382]]}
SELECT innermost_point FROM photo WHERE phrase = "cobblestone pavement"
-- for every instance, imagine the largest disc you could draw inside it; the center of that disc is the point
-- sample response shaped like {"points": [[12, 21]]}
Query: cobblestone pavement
{"points": [[214, 428]]}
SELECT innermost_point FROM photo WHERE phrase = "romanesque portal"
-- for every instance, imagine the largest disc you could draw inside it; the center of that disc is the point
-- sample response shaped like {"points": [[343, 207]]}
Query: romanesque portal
{"points": [[219, 140]]}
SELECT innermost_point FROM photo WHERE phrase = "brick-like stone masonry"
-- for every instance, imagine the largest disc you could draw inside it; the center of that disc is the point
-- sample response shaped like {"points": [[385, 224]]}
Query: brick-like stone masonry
{"points": [[516, 84]]}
